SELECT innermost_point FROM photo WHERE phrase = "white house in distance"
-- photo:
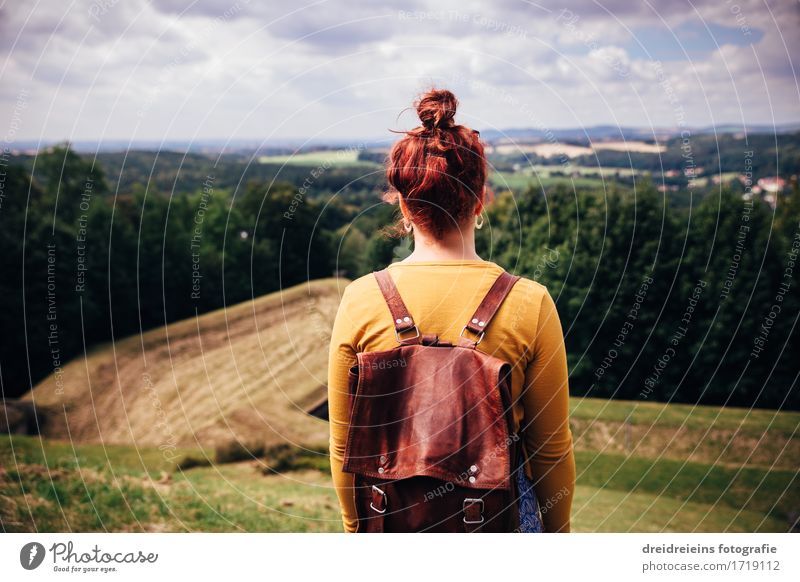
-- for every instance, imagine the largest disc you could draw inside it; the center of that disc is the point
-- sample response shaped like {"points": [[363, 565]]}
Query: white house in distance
{"points": [[772, 184]]}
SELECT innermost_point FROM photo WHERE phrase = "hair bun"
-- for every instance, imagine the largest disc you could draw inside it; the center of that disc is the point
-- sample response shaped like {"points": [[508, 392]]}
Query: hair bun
{"points": [[437, 108], [439, 168]]}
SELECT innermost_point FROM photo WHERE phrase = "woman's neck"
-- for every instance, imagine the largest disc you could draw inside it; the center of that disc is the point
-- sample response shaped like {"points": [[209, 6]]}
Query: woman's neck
{"points": [[455, 245]]}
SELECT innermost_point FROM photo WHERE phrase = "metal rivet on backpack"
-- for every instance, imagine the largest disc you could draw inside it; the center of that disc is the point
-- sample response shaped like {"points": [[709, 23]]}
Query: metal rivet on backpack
{"points": [[472, 479], [381, 470], [481, 323], [473, 469], [475, 320], [399, 321], [383, 459], [406, 319]]}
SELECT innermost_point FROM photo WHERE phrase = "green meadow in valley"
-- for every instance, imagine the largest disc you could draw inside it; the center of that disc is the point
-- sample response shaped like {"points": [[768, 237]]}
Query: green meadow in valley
{"points": [[631, 477]]}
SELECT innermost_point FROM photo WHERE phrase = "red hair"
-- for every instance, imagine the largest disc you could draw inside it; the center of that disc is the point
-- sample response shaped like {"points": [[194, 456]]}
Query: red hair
{"points": [[438, 168]]}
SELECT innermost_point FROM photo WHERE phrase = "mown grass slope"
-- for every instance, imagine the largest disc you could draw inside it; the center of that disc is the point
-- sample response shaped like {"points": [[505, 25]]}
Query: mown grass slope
{"points": [[247, 372]]}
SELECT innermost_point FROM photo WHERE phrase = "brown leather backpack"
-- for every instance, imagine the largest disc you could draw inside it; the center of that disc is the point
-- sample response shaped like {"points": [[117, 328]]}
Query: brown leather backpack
{"points": [[430, 440]]}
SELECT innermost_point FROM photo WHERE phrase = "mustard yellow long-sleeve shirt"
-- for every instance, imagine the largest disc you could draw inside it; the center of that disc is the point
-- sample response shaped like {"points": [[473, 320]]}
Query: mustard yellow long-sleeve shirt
{"points": [[526, 333]]}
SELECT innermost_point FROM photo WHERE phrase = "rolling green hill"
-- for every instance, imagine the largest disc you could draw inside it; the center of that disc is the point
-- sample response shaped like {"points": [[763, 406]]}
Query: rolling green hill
{"points": [[247, 372]]}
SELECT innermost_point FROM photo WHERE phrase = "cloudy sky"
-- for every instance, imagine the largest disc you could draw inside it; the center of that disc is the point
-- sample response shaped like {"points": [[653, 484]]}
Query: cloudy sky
{"points": [[330, 69]]}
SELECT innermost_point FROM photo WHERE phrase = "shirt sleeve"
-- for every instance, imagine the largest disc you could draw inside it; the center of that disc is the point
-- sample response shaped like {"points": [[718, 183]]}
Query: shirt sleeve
{"points": [[546, 432], [341, 357]]}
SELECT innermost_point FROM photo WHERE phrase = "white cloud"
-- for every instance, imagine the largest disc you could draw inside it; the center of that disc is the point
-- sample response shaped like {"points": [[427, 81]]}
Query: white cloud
{"points": [[238, 68]]}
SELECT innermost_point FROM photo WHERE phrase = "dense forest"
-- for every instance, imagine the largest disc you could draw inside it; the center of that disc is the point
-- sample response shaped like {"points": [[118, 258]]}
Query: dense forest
{"points": [[696, 303]]}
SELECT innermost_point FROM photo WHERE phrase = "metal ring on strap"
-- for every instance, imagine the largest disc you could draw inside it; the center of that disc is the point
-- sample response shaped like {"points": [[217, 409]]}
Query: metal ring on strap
{"points": [[405, 339], [469, 501], [480, 335], [382, 493]]}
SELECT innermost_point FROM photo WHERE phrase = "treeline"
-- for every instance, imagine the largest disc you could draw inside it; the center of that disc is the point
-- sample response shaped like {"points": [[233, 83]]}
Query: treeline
{"points": [[658, 304], [658, 301], [180, 173], [772, 155], [83, 265]]}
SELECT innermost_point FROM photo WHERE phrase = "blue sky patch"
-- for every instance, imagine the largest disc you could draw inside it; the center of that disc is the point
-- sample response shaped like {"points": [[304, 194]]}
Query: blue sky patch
{"points": [[688, 41]]}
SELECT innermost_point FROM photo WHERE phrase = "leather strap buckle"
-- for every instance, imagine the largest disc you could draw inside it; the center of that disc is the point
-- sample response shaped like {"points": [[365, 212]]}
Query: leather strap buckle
{"points": [[379, 496], [469, 508], [480, 335], [399, 340]]}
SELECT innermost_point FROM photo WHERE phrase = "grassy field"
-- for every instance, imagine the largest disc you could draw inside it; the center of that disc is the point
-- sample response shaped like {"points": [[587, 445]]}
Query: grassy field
{"points": [[518, 181], [554, 171], [327, 158], [54, 485], [48, 485], [703, 434]]}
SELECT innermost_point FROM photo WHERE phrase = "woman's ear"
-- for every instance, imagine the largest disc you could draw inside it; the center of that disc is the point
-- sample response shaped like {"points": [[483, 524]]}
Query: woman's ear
{"points": [[403, 208], [479, 205]]}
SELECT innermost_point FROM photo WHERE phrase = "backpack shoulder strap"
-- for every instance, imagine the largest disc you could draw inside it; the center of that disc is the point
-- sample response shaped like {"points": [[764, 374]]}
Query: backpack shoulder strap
{"points": [[400, 316], [479, 321]]}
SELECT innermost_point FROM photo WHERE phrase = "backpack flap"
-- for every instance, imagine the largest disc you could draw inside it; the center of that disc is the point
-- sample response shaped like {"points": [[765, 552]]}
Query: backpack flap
{"points": [[439, 412]]}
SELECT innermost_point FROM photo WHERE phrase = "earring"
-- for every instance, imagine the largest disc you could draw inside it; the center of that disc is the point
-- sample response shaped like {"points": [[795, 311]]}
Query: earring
{"points": [[407, 225], [479, 225]]}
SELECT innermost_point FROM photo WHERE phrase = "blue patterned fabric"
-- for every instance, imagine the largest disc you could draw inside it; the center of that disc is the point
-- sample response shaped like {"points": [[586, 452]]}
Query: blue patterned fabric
{"points": [[530, 520]]}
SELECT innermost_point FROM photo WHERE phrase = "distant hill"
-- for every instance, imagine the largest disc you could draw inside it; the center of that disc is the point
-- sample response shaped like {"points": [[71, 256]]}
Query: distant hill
{"points": [[256, 147], [250, 371], [613, 132]]}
